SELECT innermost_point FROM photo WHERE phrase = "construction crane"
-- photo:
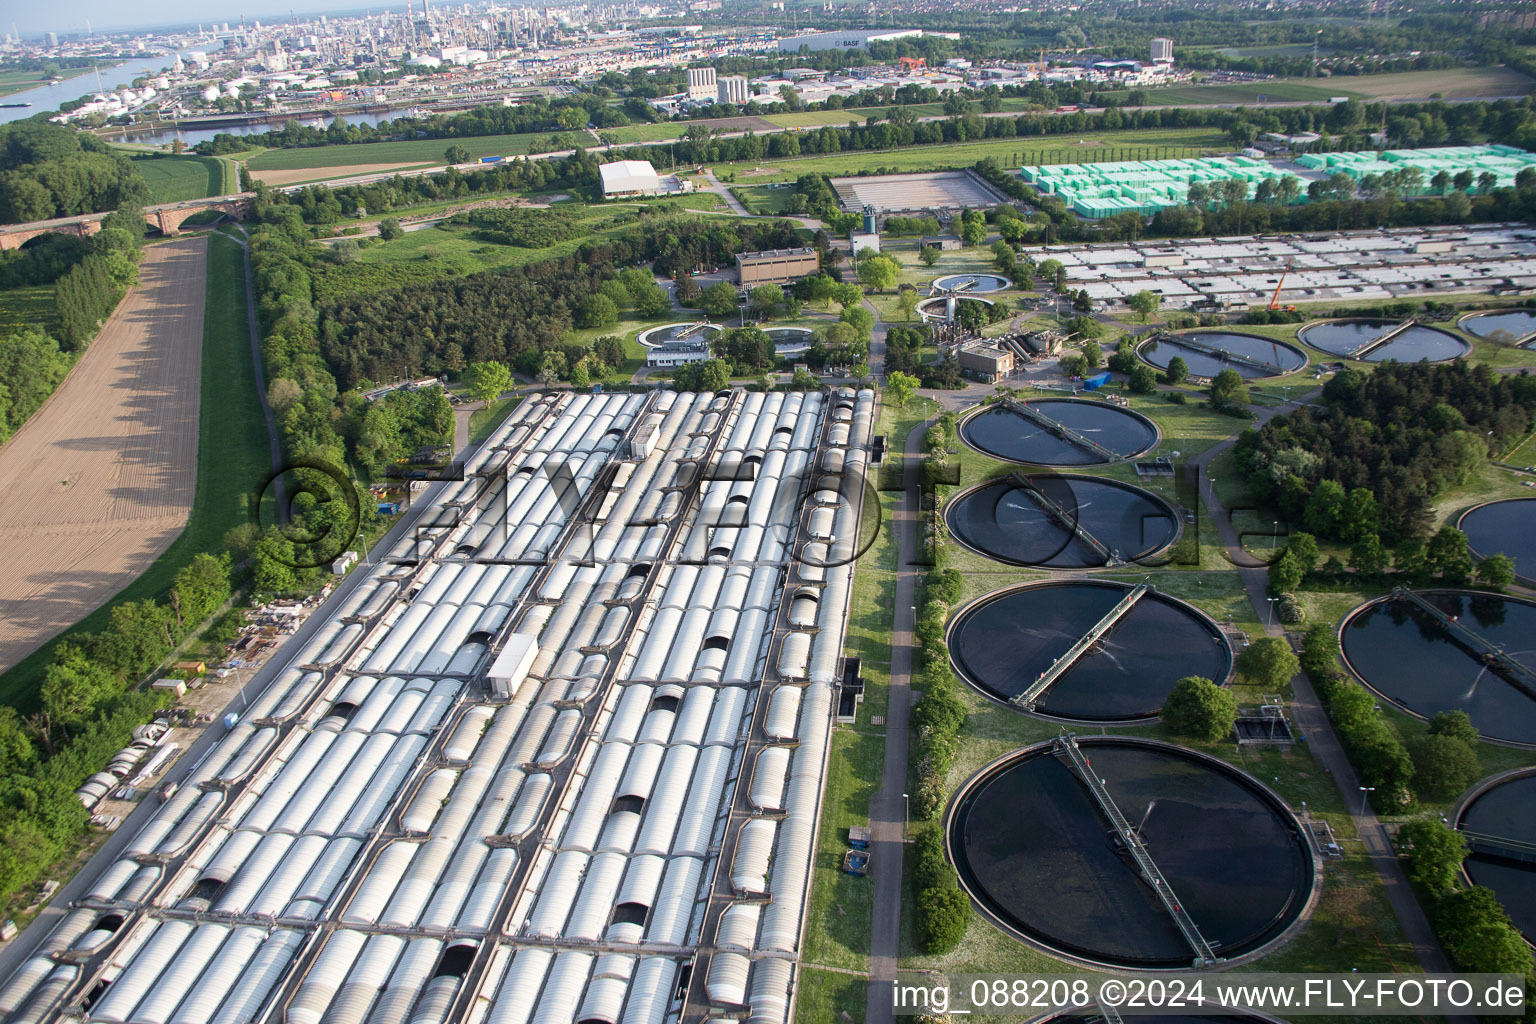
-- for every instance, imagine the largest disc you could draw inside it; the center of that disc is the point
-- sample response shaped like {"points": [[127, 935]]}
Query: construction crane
{"points": [[1274, 300]]}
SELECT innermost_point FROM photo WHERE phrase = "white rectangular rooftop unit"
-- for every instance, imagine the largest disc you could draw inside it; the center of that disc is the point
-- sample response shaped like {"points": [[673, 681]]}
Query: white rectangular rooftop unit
{"points": [[512, 664]]}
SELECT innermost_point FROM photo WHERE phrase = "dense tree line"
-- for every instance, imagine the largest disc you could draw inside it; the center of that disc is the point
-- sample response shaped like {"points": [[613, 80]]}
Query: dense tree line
{"points": [[86, 710], [1400, 436], [90, 277], [50, 170]]}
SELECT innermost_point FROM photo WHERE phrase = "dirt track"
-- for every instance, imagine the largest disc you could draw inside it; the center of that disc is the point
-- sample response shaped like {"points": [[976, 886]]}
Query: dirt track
{"points": [[99, 481]]}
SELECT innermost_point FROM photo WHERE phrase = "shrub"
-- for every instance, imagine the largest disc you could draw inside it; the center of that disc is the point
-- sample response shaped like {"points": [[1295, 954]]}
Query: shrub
{"points": [[942, 917], [1443, 765]]}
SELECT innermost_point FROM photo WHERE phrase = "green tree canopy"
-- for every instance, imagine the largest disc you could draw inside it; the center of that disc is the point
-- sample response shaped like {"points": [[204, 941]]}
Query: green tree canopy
{"points": [[1199, 709]]}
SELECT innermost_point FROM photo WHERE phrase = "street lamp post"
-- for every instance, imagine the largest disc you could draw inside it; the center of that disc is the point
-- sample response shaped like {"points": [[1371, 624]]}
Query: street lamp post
{"points": [[904, 816], [1271, 601], [1365, 792]]}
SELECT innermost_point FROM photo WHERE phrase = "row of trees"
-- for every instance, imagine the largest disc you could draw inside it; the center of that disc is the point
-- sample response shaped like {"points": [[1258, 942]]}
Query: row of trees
{"points": [[89, 279], [86, 710]]}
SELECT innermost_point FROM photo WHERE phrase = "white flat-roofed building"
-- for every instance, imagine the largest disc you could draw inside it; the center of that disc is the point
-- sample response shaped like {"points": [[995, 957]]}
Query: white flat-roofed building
{"points": [[629, 178], [626, 835]]}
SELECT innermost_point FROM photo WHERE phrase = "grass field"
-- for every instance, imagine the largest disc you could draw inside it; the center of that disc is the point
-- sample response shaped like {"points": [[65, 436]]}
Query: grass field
{"points": [[420, 152], [231, 457], [20, 81], [1177, 142], [27, 307], [1450, 82], [174, 179]]}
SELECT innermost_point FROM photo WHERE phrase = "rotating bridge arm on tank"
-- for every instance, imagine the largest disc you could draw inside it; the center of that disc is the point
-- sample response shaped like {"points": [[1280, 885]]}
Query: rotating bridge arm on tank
{"points": [[1060, 429], [1193, 341], [1359, 351], [1055, 510], [1499, 846], [1033, 692], [1507, 668], [1066, 748]]}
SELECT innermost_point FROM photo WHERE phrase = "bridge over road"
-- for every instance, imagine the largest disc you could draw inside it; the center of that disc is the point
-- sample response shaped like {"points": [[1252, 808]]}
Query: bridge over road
{"points": [[166, 218]]}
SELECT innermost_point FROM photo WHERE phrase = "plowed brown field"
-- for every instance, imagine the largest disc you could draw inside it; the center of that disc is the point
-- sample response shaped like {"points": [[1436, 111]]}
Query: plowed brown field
{"points": [[99, 481]]}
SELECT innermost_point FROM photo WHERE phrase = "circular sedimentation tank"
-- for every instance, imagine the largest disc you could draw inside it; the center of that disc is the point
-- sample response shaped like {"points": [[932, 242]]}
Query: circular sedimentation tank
{"points": [[972, 284], [1506, 326], [1427, 662], [1003, 643], [1036, 850], [1062, 522], [1348, 336], [1506, 527], [1103, 433], [1252, 356], [675, 332], [1502, 811]]}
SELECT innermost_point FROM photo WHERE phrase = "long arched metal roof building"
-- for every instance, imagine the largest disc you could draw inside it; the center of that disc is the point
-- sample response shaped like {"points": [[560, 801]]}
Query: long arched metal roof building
{"points": [[559, 758]]}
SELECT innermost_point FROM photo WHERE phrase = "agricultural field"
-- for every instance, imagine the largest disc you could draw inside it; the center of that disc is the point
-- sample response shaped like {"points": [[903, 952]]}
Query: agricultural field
{"points": [[340, 161], [120, 439], [175, 179], [1137, 145], [1452, 83], [20, 81], [30, 306], [224, 441]]}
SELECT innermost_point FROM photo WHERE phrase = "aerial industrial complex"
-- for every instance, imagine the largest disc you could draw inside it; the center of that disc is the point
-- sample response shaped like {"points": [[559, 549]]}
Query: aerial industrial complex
{"points": [[1238, 272], [560, 756]]}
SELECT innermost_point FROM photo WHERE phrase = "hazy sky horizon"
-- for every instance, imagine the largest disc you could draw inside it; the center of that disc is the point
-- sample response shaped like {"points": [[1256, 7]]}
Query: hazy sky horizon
{"points": [[68, 17]]}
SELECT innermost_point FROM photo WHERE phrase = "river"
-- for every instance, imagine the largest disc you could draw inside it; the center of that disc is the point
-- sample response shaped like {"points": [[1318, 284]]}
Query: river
{"points": [[48, 97]]}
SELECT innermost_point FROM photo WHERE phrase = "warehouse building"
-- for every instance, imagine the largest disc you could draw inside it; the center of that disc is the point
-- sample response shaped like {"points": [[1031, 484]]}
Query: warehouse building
{"points": [[1207, 274], [776, 266], [560, 756], [629, 178]]}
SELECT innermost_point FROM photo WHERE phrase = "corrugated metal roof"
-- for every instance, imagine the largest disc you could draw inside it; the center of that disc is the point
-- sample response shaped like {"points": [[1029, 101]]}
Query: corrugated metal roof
{"points": [[388, 791]]}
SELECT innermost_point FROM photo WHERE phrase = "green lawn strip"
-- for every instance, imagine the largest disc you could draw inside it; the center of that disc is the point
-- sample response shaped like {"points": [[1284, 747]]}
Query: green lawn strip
{"points": [[841, 903], [483, 422], [231, 459], [830, 996]]}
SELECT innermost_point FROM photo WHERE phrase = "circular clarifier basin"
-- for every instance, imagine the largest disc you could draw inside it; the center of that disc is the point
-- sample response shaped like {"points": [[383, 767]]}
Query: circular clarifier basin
{"points": [[1505, 326], [1251, 356], [788, 340], [1348, 337], [1007, 433], [1503, 812], [972, 284], [1036, 850], [1005, 642], [676, 332], [1427, 664], [1062, 522], [1505, 527]]}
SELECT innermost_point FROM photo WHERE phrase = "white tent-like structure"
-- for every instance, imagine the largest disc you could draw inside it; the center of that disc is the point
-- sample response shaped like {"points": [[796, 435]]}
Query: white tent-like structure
{"points": [[630, 178]]}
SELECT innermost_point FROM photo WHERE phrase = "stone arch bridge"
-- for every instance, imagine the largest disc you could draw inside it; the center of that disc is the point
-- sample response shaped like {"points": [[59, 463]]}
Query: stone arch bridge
{"points": [[165, 218]]}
